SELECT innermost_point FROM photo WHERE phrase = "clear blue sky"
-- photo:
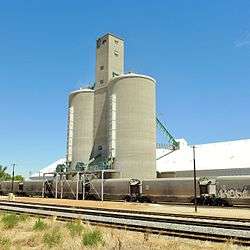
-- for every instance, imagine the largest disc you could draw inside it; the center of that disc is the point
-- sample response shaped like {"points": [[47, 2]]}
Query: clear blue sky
{"points": [[198, 51]]}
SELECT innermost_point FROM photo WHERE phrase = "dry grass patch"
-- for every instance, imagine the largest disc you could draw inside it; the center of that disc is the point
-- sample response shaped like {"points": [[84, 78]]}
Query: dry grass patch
{"points": [[23, 217], [75, 228], [53, 237], [92, 237], [9, 221], [76, 235], [5, 242], [39, 225]]}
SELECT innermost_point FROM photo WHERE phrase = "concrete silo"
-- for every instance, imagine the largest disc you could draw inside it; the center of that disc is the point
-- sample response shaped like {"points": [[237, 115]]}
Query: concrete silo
{"points": [[109, 63], [132, 125], [80, 126]]}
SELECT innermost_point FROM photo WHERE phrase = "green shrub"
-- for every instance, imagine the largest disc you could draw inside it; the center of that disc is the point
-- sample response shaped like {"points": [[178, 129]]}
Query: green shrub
{"points": [[39, 225], [52, 238], [75, 228], [92, 238], [5, 242], [10, 220]]}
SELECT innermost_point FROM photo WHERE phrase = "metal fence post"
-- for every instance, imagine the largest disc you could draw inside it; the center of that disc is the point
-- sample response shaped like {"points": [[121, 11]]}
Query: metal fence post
{"points": [[102, 185], [83, 186], [56, 185], [43, 187], [195, 189], [77, 185]]}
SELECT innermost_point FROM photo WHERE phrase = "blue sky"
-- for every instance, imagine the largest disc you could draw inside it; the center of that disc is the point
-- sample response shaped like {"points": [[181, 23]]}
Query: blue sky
{"points": [[198, 51]]}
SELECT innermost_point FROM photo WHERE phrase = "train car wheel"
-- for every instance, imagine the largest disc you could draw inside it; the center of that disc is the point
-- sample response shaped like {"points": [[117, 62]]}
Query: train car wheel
{"points": [[127, 198]]}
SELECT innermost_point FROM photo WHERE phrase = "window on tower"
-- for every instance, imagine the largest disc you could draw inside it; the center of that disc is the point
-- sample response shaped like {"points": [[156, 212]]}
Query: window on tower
{"points": [[101, 81], [116, 53], [98, 43], [102, 67]]}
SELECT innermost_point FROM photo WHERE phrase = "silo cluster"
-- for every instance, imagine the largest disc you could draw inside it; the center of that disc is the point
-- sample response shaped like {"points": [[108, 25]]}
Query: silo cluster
{"points": [[116, 119]]}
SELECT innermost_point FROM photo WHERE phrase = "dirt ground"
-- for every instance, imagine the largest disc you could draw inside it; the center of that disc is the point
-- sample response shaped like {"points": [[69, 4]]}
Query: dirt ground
{"points": [[204, 211], [23, 236]]}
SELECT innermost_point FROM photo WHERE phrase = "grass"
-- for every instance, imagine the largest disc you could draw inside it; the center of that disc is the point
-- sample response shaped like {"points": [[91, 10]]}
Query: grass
{"points": [[10, 221], [52, 238], [92, 238], [39, 225], [5, 242], [75, 235], [75, 228], [23, 217]]}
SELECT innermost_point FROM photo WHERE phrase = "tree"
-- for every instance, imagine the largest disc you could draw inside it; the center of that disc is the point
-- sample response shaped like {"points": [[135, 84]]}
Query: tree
{"points": [[18, 178], [3, 175], [7, 177]]}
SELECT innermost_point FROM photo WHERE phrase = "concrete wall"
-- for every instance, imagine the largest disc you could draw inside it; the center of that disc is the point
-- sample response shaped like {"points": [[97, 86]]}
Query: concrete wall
{"points": [[135, 126], [109, 59]]}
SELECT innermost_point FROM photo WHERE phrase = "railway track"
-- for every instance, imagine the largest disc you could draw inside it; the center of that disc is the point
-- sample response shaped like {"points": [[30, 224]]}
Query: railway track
{"points": [[213, 229]]}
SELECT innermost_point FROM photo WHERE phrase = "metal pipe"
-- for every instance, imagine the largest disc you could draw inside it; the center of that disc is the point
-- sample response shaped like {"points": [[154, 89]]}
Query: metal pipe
{"points": [[83, 187], [61, 183], [43, 187], [102, 184], [13, 176], [56, 185], [77, 185], [195, 189]]}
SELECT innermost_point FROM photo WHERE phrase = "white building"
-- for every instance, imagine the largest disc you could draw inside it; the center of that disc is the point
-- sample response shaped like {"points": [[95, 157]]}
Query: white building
{"points": [[49, 169], [212, 159]]}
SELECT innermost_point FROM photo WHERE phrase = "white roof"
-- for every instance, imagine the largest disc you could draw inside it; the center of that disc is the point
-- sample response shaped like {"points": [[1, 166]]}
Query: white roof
{"points": [[49, 169], [219, 155]]}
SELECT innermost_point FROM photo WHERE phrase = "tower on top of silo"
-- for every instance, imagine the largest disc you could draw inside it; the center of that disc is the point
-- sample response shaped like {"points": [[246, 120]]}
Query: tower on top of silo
{"points": [[109, 59]]}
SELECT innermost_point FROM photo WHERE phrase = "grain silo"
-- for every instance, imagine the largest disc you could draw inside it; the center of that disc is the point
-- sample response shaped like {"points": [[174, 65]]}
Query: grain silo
{"points": [[115, 122], [132, 125], [80, 126]]}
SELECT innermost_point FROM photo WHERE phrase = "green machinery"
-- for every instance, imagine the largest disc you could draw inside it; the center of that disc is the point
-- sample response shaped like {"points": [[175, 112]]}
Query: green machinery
{"points": [[100, 162], [172, 143]]}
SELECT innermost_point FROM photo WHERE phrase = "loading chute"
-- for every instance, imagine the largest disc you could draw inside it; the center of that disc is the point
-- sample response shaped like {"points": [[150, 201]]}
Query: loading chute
{"points": [[172, 144]]}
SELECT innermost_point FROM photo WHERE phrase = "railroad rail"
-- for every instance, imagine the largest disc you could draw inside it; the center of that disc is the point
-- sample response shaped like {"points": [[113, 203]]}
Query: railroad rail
{"points": [[213, 229]]}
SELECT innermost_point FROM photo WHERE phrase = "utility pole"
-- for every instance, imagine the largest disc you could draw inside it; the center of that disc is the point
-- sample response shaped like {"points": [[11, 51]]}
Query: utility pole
{"points": [[195, 189], [13, 176]]}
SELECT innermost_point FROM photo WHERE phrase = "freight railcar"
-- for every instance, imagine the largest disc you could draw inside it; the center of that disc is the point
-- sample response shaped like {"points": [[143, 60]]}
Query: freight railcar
{"points": [[169, 190], [219, 191], [234, 188], [114, 189], [6, 187], [68, 188], [32, 188]]}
